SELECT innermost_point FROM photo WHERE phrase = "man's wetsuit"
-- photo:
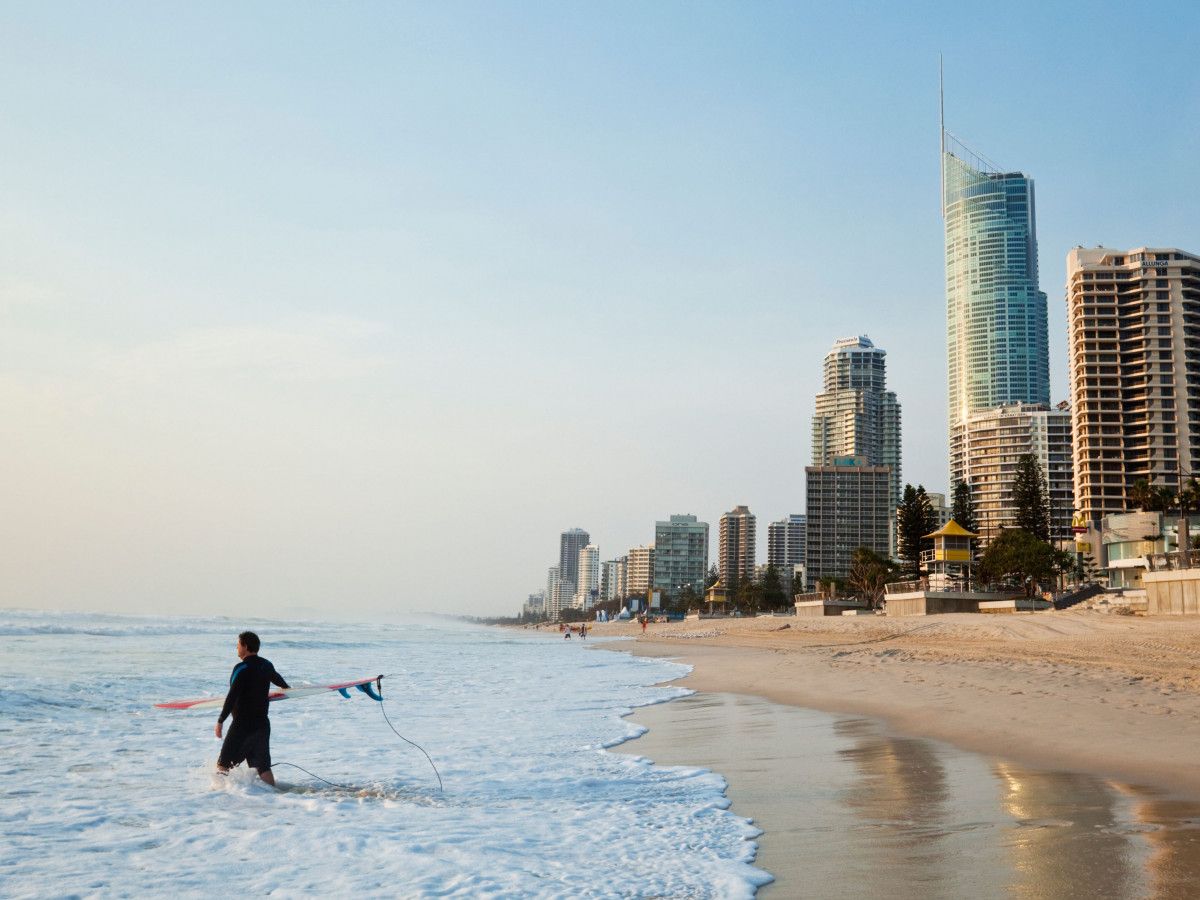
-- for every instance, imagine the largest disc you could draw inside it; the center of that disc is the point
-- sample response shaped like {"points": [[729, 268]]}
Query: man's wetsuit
{"points": [[249, 737]]}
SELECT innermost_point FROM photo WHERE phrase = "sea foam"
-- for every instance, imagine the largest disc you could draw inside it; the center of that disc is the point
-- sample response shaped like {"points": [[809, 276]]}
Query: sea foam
{"points": [[105, 795]]}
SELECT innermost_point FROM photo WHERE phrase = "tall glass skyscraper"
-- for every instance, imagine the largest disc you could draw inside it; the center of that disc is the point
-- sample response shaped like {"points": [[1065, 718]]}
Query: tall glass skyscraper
{"points": [[997, 343]]}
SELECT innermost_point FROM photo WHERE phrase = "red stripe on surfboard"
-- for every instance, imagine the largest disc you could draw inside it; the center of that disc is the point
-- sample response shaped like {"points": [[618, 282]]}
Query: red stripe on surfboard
{"points": [[274, 695]]}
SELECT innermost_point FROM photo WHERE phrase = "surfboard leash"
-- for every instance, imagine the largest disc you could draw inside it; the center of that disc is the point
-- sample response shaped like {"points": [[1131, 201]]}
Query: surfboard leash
{"points": [[379, 684]]}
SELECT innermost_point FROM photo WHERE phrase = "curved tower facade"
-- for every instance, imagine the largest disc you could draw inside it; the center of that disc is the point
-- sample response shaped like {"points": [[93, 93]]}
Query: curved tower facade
{"points": [[997, 343]]}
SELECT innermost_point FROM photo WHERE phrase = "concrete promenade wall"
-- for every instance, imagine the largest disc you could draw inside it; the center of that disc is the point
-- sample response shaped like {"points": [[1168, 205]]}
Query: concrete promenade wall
{"points": [[1174, 592], [933, 603]]}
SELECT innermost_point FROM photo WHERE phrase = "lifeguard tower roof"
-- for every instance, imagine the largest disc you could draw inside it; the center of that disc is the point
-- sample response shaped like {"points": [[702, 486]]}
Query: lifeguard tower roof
{"points": [[952, 529]]}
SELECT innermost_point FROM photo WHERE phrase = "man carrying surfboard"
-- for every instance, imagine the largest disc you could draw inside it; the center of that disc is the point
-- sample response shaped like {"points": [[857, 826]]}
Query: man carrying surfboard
{"points": [[249, 737]]}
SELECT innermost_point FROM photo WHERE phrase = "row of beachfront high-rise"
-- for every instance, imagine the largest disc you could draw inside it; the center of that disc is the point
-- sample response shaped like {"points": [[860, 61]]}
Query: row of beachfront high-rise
{"points": [[674, 566], [1133, 412], [1133, 319]]}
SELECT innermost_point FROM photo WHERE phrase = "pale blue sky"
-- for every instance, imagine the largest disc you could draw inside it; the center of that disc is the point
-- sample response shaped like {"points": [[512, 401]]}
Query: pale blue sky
{"points": [[352, 308]]}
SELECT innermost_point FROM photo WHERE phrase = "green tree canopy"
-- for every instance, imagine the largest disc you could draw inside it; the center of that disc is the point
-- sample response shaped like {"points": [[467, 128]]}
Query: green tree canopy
{"points": [[963, 509], [869, 574], [1018, 557], [713, 577], [688, 598], [1150, 497], [1031, 497], [774, 597], [749, 597]]}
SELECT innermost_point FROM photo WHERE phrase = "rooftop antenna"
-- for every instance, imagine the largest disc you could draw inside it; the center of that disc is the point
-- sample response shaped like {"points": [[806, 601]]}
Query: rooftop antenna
{"points": [[942, 131]]}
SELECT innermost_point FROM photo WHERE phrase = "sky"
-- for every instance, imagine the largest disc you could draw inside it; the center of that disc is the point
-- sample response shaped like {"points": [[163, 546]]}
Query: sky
{"points": [[343, 309]]}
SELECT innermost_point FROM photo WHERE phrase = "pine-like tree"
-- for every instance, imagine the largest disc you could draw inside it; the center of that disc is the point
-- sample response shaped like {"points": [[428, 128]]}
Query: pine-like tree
{"points": [[773, 595], [915, 518], [962, 510], [1031, 497]]}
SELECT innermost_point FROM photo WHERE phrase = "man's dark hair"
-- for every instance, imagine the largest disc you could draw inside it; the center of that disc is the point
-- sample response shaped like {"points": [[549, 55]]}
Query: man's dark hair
{"points": [[250, 641]]}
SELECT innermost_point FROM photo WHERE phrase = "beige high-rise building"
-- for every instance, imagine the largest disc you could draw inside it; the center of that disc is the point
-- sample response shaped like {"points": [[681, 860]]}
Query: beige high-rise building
{"points": [[1133, 334], [587, 587], [639, 570], [855, 414], [737, 547], [991, 443]]}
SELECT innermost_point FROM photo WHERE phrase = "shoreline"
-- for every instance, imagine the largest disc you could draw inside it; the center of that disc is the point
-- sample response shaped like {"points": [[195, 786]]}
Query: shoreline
{"points": [[1075, 691]]}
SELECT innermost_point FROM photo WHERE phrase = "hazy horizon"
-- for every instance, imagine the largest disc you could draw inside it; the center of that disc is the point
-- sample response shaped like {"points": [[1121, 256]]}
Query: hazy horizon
{"points": [[309, 308]]}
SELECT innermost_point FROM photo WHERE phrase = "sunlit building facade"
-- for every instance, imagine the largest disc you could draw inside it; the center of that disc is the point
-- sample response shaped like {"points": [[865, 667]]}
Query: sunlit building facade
{"points": [[996, 332], [1133, 337]]}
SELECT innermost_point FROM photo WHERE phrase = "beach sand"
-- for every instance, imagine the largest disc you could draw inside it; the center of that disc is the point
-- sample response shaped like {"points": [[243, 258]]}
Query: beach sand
{"points": [[1117, 696], [1096, 715]]}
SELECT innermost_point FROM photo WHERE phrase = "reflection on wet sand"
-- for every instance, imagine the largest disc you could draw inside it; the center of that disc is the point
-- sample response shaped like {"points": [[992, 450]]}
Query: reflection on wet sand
{"points": [[1170, 829], [850, 810], [914, 833], [1062, 841]]}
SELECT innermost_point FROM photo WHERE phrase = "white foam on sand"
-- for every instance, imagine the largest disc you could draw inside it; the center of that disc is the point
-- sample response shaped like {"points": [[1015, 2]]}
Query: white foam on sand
{"points": [[104, 795]]}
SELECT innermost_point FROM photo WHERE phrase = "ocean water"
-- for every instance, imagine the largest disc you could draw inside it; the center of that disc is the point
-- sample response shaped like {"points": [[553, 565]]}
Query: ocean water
{"points": [[105, 796]]}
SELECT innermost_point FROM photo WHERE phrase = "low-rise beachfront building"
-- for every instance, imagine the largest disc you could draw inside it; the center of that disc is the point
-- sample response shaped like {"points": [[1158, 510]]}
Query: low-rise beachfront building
{"points": [[1134, 543]]}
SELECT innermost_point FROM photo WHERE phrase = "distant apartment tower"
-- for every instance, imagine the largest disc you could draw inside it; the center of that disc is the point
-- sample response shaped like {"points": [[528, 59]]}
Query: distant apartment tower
{"points": [[736, 548], [612, 579], [535, 606], [849, 506], [786, 542], [997, 339], [559, 593], [680, 555], [1133, 335], [855, 413], [639, 571], [587, 587], [994, 440], [569, 545]]}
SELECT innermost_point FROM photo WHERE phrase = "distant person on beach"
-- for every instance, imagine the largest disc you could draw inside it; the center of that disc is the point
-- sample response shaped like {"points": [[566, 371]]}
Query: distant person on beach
{"points": [[249, 738], [583, 631], [643, 624]]}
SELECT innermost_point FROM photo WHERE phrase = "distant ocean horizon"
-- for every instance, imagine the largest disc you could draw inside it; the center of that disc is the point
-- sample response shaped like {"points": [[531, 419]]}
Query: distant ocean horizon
{"points": [[104, 795]]}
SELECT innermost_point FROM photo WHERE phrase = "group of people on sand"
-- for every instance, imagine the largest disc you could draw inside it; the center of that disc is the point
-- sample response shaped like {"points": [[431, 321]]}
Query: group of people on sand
{"points": [[568, 630]]}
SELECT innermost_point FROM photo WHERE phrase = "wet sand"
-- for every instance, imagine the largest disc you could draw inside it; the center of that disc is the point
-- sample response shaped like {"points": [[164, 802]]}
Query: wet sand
{"points": [[1115, 696], [851, 809]]}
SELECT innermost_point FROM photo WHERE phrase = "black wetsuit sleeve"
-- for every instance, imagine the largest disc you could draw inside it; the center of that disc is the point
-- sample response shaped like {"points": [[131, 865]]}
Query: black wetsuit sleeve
{"points": [[236, 685], [277, 679]]}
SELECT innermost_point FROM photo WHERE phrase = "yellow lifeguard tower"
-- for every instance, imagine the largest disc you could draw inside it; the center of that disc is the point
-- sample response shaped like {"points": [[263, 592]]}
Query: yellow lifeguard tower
{"points": [[949, 562], [717, 594]]}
